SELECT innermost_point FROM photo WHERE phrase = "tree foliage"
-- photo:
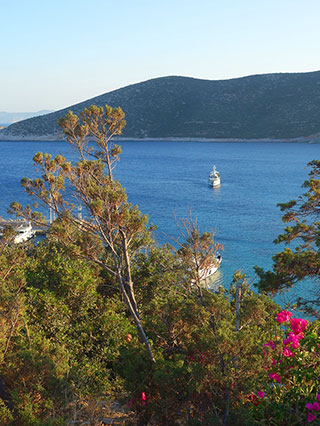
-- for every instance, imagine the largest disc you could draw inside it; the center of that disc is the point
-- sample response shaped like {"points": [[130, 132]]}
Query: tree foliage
{"points": [[112, 230], [303, 261], [197, 253]]}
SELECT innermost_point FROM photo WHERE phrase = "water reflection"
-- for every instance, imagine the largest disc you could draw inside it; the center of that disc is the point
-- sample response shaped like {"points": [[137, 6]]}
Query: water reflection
{"points": [[215, 189]]}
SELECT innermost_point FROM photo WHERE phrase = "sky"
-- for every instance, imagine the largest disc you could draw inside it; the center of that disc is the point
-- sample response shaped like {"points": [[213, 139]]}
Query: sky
{"points": [[56, 53]]}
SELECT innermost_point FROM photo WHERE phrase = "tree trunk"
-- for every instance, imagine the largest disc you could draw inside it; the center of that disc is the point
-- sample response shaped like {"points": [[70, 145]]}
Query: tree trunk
{"points": [[238, 304], [130, 302], [127, 290]]}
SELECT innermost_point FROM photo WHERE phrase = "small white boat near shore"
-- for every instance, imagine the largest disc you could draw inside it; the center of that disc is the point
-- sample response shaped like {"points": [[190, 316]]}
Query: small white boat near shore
{"points": [[209, 271], [24, 233], [214, 177]]}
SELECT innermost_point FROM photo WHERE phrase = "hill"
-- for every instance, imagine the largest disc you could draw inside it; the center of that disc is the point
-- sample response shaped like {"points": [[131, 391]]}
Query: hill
{"points": [[280, 106]]}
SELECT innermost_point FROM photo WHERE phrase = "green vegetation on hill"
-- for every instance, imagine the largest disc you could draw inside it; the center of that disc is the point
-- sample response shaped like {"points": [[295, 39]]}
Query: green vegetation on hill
{"points": [[260, 106]]}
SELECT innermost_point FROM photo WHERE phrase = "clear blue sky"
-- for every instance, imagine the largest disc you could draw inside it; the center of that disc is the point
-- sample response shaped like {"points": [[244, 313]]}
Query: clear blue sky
{"points": [[55, 53]]}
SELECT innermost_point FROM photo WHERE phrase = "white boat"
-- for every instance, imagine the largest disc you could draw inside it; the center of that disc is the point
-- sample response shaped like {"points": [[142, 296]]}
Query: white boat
{"points": [[24, 233], [211, 269], [214, 177]]}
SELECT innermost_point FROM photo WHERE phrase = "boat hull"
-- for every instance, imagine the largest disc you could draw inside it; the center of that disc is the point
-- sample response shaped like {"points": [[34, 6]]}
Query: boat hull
{"points": [[214, 182], [25, 233], [204, 274]]}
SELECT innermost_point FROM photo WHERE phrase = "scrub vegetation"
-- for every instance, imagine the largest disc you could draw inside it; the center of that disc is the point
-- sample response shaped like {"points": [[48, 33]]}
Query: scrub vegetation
{"points": [[100, 325]]}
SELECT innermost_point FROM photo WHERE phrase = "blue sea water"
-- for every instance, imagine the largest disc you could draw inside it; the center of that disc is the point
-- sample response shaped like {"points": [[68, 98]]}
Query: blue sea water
{"points": [[168, 178]]}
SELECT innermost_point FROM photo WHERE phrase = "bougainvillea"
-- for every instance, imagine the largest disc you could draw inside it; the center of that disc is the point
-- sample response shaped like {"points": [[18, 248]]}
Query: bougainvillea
{"points": [[292, 362]]}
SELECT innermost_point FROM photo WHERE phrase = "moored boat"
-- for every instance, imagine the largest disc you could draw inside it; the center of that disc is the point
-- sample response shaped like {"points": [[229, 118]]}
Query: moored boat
{"points": [[211, 269], [24, 233], [214, 177]]}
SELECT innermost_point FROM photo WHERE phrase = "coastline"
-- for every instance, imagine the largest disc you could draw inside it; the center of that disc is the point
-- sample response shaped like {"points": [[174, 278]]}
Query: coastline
{"points": [[51, 138]]}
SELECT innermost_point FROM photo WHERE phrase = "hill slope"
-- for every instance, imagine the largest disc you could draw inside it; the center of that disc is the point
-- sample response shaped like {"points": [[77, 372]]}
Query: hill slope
{"points": [[260, 106]]}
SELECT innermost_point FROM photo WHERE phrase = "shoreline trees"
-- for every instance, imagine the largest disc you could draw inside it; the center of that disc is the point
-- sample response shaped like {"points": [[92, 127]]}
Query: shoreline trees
{"points": [[302, 217], [113, 230]]}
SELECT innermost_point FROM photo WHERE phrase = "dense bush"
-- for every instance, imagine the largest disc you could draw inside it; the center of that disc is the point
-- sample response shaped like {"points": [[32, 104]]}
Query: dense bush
{"points": [[65, 338], [205, 367], [73, 341]]}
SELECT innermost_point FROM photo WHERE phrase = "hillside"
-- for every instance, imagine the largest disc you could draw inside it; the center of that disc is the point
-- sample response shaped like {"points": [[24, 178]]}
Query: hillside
{"points": [[277, 106]]}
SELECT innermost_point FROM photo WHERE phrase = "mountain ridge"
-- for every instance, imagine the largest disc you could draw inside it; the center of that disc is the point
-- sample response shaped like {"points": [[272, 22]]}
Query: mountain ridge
{"points": [[264, 106]]}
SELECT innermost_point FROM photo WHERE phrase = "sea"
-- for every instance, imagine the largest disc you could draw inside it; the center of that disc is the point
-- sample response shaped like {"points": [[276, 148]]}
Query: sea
{"points": [[169, 179]]}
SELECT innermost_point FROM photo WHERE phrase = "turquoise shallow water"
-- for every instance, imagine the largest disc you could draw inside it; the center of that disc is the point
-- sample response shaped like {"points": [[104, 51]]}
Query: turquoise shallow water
{"points": [[164, 178]]}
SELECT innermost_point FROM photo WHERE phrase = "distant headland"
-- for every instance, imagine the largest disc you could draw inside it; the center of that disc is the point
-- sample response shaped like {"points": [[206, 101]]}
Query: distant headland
{"points": [[277, 107]]}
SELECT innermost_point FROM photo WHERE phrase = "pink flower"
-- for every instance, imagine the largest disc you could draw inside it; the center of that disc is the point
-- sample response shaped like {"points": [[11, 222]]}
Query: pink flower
{"points": [[287, 352], [316, 406], [261, 394], [298, 325], [318, 397], [311, 417], [143, 398], [295, 344], [293, 339], [283, 316], [270, 344], [275, 376]]}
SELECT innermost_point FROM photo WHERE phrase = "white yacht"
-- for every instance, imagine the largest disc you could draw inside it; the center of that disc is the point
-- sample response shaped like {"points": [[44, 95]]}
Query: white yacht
{"points": [[24, 233], [215, 265], [214, 177]]}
